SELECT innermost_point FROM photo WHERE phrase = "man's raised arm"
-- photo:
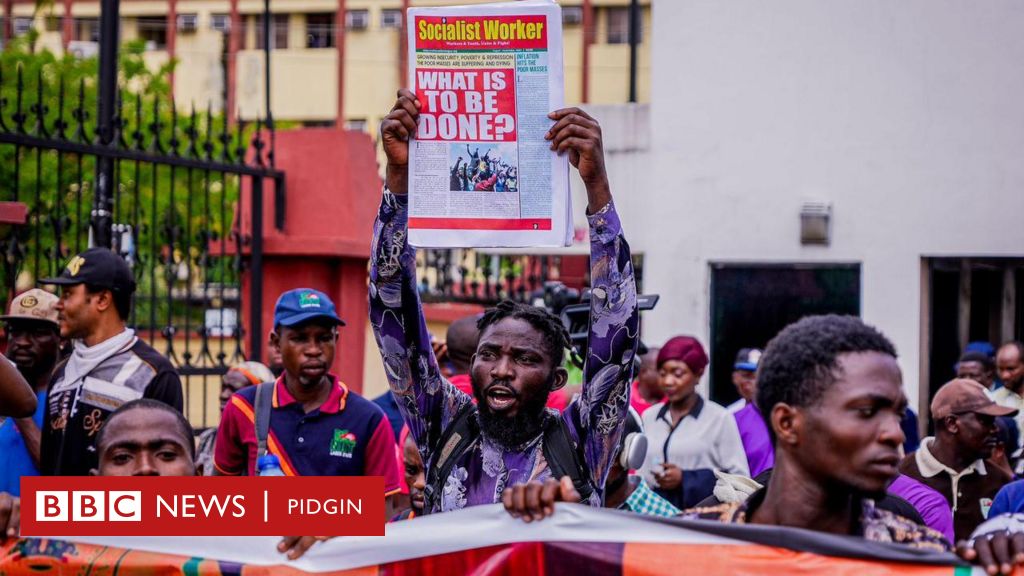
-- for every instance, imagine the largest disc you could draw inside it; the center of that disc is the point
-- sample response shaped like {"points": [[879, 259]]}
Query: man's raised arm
{"points": [[614, 318], [427, 401], [17, 399]]}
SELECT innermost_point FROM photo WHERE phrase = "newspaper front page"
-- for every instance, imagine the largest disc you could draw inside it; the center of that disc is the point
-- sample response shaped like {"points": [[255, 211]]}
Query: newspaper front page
{"points": [[480, 172]]}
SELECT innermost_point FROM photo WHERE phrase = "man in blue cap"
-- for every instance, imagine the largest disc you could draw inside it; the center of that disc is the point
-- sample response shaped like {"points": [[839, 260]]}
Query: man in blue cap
{"points": [[743, 374], [317, 426], [753, 429]]}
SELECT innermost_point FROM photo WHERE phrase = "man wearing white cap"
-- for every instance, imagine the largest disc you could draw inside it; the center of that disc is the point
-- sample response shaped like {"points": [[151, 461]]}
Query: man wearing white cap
{"points": [[33, 344]]}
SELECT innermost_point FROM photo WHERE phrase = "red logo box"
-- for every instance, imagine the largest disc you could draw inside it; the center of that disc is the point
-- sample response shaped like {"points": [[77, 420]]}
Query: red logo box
{"points": [[202, 506]]}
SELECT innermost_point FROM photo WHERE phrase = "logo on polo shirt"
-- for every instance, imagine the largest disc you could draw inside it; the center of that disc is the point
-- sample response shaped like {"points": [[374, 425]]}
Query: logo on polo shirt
{"points": [[343, 443], [309, 300]]}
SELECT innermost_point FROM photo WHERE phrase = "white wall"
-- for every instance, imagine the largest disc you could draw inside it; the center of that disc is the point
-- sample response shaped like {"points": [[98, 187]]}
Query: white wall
{"points": [[907, 116]]}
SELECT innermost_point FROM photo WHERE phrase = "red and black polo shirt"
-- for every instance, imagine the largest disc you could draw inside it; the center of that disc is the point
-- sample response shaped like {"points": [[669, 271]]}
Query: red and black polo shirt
{"points": [[347, 436]]}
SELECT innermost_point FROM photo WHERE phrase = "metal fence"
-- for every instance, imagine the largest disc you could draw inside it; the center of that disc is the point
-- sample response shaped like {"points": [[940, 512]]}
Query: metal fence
{"points": [[476, 277], [158, 186]]}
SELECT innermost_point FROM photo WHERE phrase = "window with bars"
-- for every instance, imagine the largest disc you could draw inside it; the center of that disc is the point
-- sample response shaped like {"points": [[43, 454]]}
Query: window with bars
{"points": [[391, 18], [572, 15], [22, 25], [153, 30], [87, 29], [357, 19], [320, 30], [220, 22], [618, 26], [356, 124], [278, 31]]}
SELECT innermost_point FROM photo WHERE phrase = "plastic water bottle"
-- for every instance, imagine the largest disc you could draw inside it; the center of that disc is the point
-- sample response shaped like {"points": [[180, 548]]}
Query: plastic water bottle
{"points": [[269, 465]]}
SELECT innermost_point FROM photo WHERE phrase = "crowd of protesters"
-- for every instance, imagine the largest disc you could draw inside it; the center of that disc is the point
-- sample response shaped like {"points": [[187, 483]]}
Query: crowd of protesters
{"points": [[821, 437], [483, 174]]}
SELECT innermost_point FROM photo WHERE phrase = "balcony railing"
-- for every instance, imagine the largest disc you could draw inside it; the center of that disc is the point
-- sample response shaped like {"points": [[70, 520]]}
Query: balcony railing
{"points": [[476, 277]]}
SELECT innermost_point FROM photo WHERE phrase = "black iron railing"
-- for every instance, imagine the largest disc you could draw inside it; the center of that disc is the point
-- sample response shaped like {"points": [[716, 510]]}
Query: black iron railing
{"points": [[475, 277], [170, 209], [482, 278]]}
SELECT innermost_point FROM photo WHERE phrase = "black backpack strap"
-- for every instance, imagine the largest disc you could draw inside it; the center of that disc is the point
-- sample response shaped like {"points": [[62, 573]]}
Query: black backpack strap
{"points": [[563, 455], [264, 401], [457, 439]]}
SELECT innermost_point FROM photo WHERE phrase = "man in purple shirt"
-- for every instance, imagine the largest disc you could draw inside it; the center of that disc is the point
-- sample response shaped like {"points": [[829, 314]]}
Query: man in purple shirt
{"points": [[756, 441], [931, 505], [518, 360], [753, 429]]}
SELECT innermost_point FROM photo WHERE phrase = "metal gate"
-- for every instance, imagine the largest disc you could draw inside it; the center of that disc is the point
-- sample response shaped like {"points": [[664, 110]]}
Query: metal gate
{"points": [[158, 186]]}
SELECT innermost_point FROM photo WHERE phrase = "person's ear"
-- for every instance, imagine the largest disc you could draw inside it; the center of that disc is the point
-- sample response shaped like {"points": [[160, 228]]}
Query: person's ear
{"points": [[104, 300], [700, 373], [952, 424], [787, 422], [275, 341], [94, 472], [560, 379]]}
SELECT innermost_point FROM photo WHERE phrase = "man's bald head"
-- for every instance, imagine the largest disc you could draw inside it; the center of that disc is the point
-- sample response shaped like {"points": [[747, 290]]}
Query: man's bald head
{"points": [[1010, 365], [462, 338]]}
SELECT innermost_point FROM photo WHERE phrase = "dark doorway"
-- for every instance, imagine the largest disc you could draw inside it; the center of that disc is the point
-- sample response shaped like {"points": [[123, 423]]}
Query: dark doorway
{"points": [[971, 300], [751, 303]]}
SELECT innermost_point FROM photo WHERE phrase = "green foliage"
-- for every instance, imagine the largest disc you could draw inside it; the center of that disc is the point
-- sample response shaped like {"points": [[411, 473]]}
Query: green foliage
{"points": [[176, 218]]}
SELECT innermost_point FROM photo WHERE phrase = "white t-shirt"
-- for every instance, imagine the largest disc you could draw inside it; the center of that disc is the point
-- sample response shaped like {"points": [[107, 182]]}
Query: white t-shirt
{"points": [[707, 437]]}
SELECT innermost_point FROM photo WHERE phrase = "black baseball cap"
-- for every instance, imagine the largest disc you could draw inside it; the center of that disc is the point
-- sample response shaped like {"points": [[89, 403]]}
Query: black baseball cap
{"points": [[97, 267]]}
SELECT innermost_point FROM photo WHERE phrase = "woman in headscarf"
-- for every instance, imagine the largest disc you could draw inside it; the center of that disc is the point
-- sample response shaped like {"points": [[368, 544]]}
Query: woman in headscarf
{"points": [[689, 438], [236, 378]]}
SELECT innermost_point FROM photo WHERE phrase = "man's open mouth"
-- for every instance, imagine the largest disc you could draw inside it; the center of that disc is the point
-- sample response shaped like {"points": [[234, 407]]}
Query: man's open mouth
{"points": [[500, 398]]}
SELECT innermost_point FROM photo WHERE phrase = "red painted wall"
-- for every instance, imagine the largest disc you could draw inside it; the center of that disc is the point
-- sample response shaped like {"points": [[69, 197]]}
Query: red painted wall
{"points": [[332, 194]]}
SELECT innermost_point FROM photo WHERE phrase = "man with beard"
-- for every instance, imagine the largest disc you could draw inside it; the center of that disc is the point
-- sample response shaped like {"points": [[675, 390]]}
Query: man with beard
{"points": [[33, 343], [956, 462], [472, 454]]}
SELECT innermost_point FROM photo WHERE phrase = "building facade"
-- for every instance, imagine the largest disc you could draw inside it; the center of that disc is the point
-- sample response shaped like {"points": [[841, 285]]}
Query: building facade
{"points": [[218, 46], [850, 156]]}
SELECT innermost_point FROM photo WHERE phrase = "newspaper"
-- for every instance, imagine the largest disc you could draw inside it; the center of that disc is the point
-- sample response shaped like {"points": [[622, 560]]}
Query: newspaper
{"points": [[480, 172]]}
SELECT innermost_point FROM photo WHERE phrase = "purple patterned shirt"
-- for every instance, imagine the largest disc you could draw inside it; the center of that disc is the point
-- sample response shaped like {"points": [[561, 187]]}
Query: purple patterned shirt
{"points": [[429, 403]]}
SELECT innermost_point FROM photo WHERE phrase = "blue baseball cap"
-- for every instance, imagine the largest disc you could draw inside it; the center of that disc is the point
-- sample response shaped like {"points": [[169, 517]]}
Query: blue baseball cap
{"points": [[302, 304], [747, 359]]}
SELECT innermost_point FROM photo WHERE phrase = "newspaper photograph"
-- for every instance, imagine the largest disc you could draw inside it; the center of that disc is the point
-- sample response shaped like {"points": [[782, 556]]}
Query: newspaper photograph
{"points": [[481, 173]]}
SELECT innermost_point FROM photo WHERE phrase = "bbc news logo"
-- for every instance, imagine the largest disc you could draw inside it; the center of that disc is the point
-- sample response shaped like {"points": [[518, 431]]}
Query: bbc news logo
{"points": [[89, 506], [202, 506]]}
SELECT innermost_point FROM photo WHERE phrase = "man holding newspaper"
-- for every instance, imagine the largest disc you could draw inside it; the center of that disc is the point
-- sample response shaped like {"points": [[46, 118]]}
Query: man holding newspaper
{"points": [[473, 452]]}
